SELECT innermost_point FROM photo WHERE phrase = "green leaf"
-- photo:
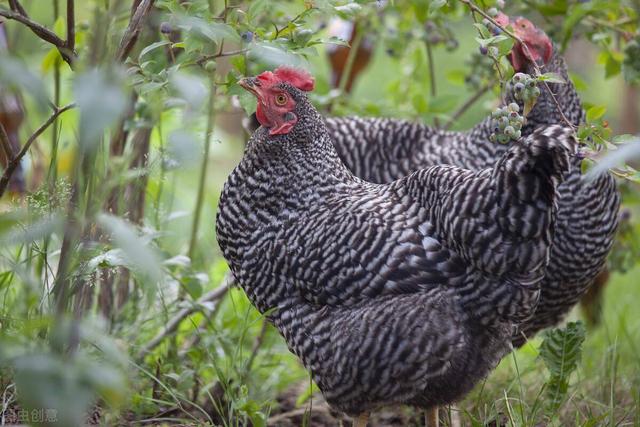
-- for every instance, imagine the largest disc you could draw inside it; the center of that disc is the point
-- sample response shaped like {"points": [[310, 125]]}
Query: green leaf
{"points": [[551, 78], [126, 237], [436, 4], [595, 112], [151, 47], [51, 59], [348, 11], [561, 351], [101, 101], [256, 9]]}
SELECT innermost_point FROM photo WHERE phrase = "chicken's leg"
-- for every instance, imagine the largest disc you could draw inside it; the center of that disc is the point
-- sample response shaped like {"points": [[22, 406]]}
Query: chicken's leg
{"points": [[431, 417], [361, 421]]}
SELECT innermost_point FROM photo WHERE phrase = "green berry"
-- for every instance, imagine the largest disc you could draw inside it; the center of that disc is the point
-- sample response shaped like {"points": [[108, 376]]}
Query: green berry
{"points": [[493, 137], [513, 107], [517, 134], [493, 51], [503, 122], [531, 84], [509, 131], [518, 77], [535, 92], [493, 12], [210, 66]]}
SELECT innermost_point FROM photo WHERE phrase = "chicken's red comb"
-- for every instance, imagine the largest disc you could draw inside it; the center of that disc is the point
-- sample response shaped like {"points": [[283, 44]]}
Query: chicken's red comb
{"points": [[294, 76]]}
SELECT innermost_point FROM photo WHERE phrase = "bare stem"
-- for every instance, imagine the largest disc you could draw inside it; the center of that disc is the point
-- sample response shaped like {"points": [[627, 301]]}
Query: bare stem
{"points": [[130, 35], [13, 164], [6, 144], [432, 78], [203, 173], [71, 26], [44, 33], [351, 59], [17, 7]]}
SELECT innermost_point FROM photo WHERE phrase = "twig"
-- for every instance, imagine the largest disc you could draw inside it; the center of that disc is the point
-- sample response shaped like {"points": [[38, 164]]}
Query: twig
{"points": [[13, 164], [174, 322], [472, 100], [293, 21], [527, 54], [206, 58], [203, 172], [42, 32], [71, 26], [351, 59], [6, 144], [130, 35], [432, 78], [17, 7]]}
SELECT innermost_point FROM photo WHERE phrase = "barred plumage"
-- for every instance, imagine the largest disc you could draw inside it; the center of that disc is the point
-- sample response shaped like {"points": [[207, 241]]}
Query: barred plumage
{"points": [[385, 292], [382, 150]]}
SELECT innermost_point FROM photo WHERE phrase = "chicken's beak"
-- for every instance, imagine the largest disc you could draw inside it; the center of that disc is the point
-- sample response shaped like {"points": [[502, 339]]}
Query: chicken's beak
{"points": [[250, 84]]}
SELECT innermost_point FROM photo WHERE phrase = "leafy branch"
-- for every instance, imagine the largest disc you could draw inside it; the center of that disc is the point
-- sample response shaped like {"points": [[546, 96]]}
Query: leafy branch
{"points": [[526, 51], [65, 47], [15, 161]]}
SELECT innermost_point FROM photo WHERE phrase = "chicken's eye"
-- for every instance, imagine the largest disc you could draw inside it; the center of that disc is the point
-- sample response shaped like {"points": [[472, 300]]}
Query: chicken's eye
{"points": [[281, 99]]}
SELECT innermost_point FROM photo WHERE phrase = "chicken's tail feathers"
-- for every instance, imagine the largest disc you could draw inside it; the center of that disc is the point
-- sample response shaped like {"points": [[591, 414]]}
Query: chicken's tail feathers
{"points": [[533, 168]]}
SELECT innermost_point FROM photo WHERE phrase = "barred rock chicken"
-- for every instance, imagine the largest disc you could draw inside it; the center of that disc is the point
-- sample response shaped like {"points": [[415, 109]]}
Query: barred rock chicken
{"points": [[382, 150], [389, 293]]}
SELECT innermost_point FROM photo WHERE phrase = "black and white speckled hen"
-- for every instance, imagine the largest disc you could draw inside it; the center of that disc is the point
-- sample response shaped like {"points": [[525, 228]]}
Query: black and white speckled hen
{"points": [[382, 150], [389, 293]]}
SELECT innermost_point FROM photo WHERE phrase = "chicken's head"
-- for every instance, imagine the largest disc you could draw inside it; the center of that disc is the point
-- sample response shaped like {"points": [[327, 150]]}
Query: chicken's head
{"points": [[539, 45], [276, 102]]}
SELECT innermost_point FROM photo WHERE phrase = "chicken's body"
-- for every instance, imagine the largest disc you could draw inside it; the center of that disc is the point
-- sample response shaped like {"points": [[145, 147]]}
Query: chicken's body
{"points": [[398, 293], [383, 150]]}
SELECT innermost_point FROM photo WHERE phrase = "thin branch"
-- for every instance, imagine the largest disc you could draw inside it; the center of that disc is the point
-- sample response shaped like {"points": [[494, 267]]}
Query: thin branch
{"points": [[432, 78], [203, 173], [469, 102], [174, 322], [130, 35], [351, 59], [42, 32], [206, 58], [6, 144], [13, 164], [17, 7], [71, 26]]}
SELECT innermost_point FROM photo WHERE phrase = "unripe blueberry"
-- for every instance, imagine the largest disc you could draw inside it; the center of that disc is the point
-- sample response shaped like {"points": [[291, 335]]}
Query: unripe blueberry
{"points": [[210, 66], [514, 107], [509, 131], [517, 77]]}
